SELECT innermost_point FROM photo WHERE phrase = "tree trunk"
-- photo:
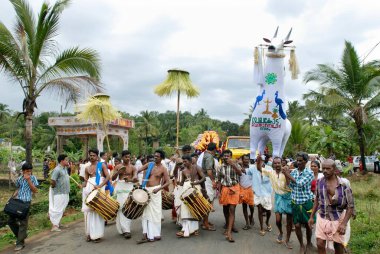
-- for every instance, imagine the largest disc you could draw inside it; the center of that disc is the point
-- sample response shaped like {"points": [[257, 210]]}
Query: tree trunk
{"points": [[362, 147], [28, 135]]}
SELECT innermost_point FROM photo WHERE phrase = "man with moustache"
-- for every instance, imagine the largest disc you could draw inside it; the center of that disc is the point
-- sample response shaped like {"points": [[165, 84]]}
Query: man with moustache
{"points": [[125, 174]]}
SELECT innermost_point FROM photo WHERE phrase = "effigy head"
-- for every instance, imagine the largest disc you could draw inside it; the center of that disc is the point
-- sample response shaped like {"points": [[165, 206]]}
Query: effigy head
{"points": [[276, 46]]}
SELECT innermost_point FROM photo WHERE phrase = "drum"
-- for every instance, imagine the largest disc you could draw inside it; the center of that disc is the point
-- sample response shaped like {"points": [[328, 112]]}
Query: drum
{"points": [[167, 200], [104, 205], [135, 204], [199, 206]]}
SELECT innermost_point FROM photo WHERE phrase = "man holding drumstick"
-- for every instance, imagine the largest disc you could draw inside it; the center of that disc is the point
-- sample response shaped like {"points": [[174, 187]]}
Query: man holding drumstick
{"points": [[125, 175], [154, 174]]}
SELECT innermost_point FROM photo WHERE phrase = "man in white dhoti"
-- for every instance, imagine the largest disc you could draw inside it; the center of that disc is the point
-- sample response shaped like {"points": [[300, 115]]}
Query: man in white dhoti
{"points": [[192, 177], [125, 175], [154, 174], [96, 177], [59, 192]]}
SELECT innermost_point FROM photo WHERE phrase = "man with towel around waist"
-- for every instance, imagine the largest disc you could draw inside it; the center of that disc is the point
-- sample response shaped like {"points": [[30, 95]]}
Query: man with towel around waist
{"points": [[125, 175], [154, 174]]}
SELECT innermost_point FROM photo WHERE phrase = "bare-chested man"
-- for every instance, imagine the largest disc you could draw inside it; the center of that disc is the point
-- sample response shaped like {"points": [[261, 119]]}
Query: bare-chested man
{"points": [[96, 177], [154, 174], [125, 174], [192, 176]]}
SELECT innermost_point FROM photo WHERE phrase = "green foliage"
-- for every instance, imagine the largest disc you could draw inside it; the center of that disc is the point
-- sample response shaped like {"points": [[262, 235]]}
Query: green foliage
{"points": [[75, 193], [365, 236]]}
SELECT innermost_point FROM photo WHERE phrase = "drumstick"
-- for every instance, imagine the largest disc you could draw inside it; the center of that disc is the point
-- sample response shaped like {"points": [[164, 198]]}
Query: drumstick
{"points": [[74, 180]]}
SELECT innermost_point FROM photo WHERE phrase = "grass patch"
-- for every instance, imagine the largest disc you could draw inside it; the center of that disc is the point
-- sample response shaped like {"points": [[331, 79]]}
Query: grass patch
{"points": [[365, 234], [37, 223]]}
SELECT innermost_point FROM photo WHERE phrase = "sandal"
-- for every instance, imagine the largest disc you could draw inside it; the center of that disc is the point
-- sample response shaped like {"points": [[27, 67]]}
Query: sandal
{"points": [[262, 232], [234, 230], [180, 234], [209, 228], [127, 235], [279, 239], [287, 245], [230, 239], [88, 239], [246, 227], [97, 240], [144, 240], [195, 233], [269, 228]]}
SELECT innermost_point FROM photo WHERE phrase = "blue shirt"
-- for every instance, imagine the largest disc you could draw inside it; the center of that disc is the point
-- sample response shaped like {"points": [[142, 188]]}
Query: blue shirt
{"points": [[260, 184], [301, 189], [24, 192]]}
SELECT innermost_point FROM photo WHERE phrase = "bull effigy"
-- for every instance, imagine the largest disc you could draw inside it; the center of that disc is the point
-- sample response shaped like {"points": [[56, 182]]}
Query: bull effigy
{"points": [[269, 120]]}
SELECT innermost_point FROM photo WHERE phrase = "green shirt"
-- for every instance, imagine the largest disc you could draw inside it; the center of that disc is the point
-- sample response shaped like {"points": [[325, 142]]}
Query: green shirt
{"points": [[208, 163], [62, 180]]}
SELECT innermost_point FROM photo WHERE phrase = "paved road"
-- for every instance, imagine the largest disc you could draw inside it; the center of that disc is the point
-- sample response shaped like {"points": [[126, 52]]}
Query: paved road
{"points": [[72, 240]]}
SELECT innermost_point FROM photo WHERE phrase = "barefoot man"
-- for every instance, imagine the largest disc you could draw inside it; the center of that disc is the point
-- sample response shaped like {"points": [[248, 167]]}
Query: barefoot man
{"points": [[154, 174], [125, 174], [96, 177], [335, 205]]}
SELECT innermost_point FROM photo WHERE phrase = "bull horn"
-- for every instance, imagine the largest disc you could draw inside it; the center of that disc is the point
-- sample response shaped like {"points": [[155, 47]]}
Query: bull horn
{"points": [[288, 36], [275, 34]]}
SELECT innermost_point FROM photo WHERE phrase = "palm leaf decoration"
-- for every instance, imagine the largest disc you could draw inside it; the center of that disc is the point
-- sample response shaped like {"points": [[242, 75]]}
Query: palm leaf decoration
{"points": [[177, 81], [98, 110]]}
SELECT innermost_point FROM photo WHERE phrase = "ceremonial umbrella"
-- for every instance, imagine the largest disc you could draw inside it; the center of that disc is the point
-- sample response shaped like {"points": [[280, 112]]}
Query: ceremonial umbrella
{"points": [[99, 110], [177, 81]]}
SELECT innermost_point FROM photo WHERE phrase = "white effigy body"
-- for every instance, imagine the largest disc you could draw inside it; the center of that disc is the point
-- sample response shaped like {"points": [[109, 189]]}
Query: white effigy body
{"points": [[269, 121]]}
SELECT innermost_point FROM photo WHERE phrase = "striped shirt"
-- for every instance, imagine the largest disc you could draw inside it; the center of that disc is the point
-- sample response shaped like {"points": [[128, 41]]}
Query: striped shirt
{"points": [[342, 199], [227, 176], [301, 189], [24, 192]]}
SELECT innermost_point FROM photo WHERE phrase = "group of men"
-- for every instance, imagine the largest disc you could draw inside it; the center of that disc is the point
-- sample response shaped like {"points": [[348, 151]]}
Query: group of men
{"points": [[237, 181]]}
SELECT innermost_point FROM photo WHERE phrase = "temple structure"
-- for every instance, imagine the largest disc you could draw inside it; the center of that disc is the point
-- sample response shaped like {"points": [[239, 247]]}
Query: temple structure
{"points": [[71, 126]]}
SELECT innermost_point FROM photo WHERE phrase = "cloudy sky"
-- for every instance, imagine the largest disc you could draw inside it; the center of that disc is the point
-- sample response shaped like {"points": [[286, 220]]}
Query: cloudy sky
{"points": [[139, 40]]}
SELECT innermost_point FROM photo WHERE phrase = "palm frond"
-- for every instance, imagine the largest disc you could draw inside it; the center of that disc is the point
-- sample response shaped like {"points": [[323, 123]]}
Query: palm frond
{"points": [[73, 62], [47, 26], [70, 88], [177, 80], [11, 60], [25, 20], [351, 65]]}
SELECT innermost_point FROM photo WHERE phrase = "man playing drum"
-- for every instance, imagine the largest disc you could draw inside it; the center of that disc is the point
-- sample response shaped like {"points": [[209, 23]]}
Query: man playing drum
{"points": [[96, 177], [228, 181], [192, 177], [125, 175], [154, 174]]}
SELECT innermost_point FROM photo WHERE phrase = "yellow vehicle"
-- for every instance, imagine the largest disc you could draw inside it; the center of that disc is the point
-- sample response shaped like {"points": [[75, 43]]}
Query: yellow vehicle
{"points": [[239, 145]]}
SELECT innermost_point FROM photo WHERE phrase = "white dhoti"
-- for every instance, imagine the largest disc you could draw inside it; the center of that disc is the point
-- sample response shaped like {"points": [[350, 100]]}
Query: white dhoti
{"points": [[122, 191], [177, 202], [209, 189], [57, 206], [93, 222], [189, 223], [151, 218]]}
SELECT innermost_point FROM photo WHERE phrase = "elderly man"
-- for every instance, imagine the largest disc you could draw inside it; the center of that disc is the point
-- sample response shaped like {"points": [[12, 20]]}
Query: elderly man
{"points": [[335, 205]]}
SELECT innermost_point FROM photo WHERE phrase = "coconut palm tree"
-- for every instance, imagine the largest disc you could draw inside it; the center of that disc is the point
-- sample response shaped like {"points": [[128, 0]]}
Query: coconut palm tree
{"points": [[351, 88], [178, 81], [30, 56]]}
